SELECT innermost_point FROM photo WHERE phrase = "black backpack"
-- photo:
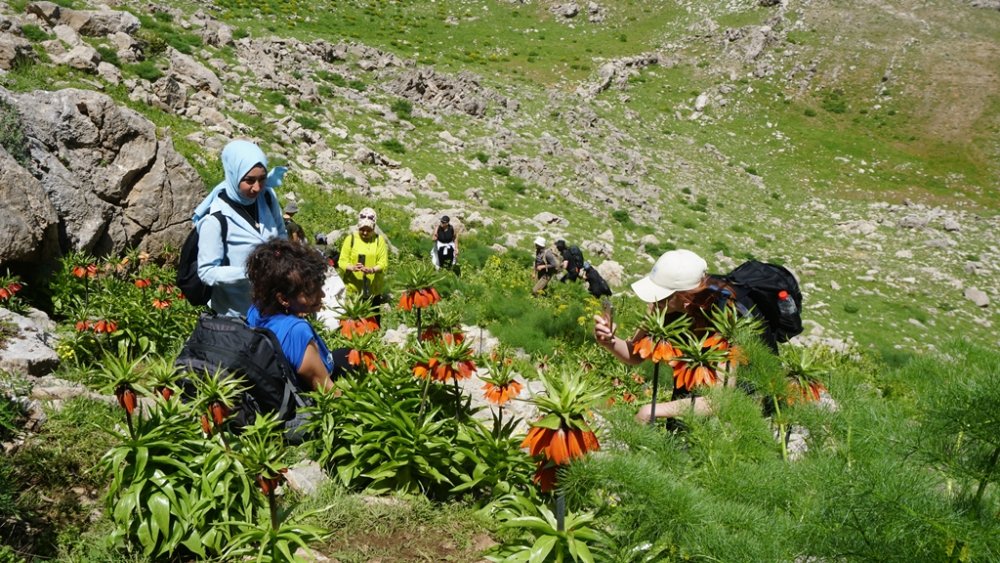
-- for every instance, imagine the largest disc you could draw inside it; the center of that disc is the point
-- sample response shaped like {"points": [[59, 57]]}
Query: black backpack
{"points": [[757, 287], [195, 290], [574, 258], [230, 345]]}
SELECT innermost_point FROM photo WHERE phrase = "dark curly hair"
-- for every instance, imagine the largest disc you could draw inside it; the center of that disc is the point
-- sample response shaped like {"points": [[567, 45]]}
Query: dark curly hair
{"points": [[713, 292], [282, 266]]}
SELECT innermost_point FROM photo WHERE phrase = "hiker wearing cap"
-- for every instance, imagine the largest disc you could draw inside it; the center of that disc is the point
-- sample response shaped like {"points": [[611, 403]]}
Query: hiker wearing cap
{"points": [[295, 231], [364, 258], [572, 261], [679, 283], [445, 244], [546, 265], [595, 283]]}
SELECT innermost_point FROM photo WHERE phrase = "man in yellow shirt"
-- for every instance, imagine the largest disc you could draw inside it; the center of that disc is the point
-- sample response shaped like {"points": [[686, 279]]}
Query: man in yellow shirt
{"points": [[364, 257]]}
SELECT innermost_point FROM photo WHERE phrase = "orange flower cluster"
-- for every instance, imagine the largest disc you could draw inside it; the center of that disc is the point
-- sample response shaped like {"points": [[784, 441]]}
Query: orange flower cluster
{"points": [[558, 447], [165, 392], [661, 351], [687, 376], [419, 298], [805, 393], [351, 327], [88, 271], [562, 445], [161, 303], [98, 327], [126, 398], [9, 291], [143, 283], [500, 394], [441, 371], [356, 357], [218, 412], [447, 337]]}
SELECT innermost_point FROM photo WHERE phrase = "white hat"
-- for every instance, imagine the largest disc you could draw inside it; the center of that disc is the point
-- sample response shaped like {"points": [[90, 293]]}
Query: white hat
{"points": [[539, 241], [676, 270], [366, 218]]}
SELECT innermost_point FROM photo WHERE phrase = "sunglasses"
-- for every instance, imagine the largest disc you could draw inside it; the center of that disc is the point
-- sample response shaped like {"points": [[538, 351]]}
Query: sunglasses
{"points": [[367, 216]]}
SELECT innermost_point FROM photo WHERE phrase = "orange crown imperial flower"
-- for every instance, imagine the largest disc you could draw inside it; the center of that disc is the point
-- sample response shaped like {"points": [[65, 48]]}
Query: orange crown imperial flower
{"points": [[419, 298], [352, 327], [357, 357], [501, 394]]}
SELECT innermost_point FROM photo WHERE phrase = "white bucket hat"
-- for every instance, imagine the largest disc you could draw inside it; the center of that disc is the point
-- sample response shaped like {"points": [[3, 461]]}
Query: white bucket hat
{"points": [[676, 270], [539, 241]]}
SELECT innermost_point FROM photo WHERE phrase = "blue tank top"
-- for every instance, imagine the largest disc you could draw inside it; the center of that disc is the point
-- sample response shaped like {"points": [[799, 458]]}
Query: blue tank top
{"points": [[294, 334]]}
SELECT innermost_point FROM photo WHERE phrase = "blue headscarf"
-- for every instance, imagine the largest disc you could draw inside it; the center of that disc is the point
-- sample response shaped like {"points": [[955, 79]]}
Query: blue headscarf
{"points": [[238, 158]]}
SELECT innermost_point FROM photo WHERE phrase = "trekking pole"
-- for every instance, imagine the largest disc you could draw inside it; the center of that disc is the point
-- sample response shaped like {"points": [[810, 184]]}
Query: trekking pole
{"points": [[656, 385]]}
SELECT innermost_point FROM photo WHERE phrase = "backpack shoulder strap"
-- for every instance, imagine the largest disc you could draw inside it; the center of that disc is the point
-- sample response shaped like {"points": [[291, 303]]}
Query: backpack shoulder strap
{"points": [[224, 232]]}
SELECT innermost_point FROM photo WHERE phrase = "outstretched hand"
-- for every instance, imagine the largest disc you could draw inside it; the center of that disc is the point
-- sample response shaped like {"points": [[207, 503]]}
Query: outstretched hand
{"points": [[604, 330]]}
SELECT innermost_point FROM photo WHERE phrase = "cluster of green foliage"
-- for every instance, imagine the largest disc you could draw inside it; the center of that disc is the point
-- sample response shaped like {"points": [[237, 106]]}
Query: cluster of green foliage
{"points": [[12, 133]]}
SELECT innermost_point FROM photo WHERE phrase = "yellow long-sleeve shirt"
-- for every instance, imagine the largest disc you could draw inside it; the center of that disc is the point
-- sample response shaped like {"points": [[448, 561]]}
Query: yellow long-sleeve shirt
{"points": [[375, 253]]}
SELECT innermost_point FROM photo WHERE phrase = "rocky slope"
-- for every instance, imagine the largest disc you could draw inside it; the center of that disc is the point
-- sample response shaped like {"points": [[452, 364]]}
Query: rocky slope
{"points": [[684, 142]]}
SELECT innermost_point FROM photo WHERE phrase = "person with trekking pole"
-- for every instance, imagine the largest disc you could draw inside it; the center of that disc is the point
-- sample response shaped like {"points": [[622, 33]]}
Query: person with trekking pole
{"points": [[679, 284]]}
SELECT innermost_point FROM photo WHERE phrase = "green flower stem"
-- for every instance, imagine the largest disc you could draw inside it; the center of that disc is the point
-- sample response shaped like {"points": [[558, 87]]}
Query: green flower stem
{"points": [[656, 385], [781, 429], [273, 505], [986, 478], [561, 512]]}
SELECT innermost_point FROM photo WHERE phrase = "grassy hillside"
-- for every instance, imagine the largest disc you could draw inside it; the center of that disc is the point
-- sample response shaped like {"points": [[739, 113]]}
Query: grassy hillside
{"points": [[856, 143]]}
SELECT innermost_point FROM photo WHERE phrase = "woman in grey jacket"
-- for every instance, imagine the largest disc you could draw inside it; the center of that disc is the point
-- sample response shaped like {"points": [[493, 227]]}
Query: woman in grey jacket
{"points": [[246, 200]]}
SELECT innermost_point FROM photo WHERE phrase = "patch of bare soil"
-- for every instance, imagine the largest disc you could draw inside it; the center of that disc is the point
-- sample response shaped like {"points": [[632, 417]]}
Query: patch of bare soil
{"points": [[963, 84]]}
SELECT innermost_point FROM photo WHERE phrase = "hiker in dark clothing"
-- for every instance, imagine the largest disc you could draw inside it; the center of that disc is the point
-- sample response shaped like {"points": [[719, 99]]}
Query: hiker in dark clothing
{"points": [[445, 244], [595, 283], [572, 261], [546, 265]]}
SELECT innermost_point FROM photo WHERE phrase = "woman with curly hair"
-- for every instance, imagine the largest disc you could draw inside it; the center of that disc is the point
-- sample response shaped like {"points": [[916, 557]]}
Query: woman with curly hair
{"points": [[286, 280]]}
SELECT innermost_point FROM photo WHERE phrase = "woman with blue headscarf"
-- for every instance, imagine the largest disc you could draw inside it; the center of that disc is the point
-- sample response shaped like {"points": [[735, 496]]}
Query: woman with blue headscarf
{"points": [[245, 200]]}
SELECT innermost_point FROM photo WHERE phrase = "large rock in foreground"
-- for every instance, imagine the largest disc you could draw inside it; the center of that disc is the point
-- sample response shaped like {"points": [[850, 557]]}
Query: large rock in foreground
{"points": [[111, 183]]}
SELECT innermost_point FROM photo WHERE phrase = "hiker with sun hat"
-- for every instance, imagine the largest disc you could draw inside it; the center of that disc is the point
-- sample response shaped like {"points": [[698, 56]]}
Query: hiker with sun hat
{"points": [[680, 284]]}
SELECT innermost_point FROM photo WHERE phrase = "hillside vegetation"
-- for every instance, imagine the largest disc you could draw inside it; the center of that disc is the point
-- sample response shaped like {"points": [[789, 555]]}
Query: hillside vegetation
{"points": [[857, 144]]}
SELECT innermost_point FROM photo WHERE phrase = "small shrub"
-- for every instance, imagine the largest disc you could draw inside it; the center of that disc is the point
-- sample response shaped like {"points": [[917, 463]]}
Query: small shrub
{"points": [[393, 145], [403, 109], [308, 122], [12, 134], [719, 246], [32, 32], [152, 43], [147, 70], [357, 85], [833, 101], [621, 216], [240, 33], [809, 112], [498, 204], [482, 157], [501, 170], [276, 98], [108, 55], [517, 186]]}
